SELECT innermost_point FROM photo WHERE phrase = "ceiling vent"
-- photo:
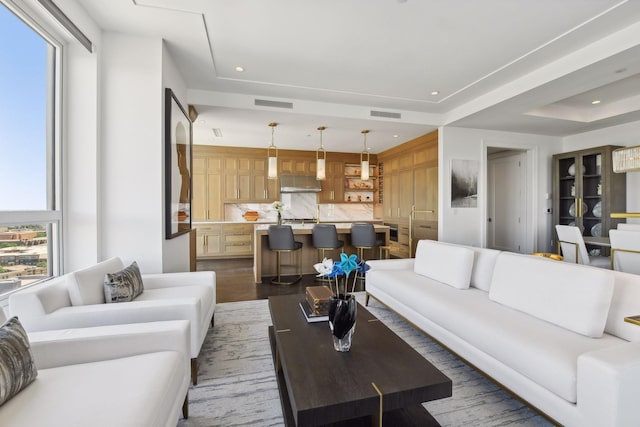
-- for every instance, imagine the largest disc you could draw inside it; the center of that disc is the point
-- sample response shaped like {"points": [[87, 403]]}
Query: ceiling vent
{"points": [[217, 132], [276, 104], [386, 114]]}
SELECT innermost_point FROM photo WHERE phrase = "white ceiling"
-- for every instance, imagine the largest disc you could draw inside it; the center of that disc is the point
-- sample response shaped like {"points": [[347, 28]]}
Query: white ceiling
{"points": [[520, 65]]}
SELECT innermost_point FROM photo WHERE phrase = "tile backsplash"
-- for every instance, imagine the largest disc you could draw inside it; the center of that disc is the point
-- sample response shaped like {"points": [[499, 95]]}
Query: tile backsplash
{"points": [[302, 205]]}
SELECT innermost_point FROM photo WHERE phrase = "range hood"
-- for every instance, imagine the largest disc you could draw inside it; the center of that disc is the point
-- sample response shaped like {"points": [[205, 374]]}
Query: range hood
{"points": [[299, 184]]}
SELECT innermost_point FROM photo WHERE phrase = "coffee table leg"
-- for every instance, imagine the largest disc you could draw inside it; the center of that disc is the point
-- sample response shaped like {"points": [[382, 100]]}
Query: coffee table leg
{"points": [[376, 420]]}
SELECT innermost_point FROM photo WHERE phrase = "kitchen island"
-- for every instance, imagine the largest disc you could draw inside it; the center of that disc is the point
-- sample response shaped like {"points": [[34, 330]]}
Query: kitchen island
{"points": [[264, 260]]}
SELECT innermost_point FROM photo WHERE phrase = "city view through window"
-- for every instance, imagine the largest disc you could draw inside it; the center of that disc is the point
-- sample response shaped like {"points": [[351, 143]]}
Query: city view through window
{"points": [[28, 211], [23, 256]]}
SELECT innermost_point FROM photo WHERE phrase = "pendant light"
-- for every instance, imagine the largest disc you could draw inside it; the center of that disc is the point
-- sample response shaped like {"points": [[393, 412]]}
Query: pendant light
{"points": [[321, 157], [272, 154], [364, 158]]}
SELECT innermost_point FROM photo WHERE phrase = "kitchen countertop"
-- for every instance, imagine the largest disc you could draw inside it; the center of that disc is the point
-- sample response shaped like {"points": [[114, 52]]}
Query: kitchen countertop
{"points": [[266, 221], [264, 260]]}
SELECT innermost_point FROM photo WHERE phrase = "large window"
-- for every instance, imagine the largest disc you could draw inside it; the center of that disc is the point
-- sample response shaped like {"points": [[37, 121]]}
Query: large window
{"points": [[30, 214]]}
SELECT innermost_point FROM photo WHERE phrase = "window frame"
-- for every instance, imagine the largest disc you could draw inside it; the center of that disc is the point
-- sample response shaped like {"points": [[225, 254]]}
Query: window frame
{"points": [[52, 217]]}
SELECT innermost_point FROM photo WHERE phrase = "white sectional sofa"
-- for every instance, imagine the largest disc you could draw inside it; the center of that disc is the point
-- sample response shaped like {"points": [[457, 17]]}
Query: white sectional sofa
{"points": [[126, 375], [76, 300], [551, 332]]}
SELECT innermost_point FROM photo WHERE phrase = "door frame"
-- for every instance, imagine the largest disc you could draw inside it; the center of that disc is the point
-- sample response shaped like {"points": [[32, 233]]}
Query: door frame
{"points": [[531, 187]]}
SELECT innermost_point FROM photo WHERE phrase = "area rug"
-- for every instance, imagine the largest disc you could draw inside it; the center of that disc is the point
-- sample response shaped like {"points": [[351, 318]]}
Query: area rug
{"points": [[237, 384]]}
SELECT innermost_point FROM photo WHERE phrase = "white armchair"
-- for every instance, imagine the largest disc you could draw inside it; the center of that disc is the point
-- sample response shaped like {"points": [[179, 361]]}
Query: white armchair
{"points": [[574, 250], [123, 375], [76, 300]]}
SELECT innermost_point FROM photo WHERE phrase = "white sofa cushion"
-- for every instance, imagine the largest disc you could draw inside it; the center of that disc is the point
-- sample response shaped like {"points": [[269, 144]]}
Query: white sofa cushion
{"points": [[572, 296], [86, 286], [484, 262], [132, 391], [449, 264]]}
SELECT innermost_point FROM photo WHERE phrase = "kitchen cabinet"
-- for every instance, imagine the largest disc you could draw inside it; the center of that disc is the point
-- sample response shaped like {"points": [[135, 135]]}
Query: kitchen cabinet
{"points": [[224, 240], [399, 181], [333, 185], [208, 240], [246, 181], [297, 166], [586, 191], [408, 179], [263, 189], [206, 204], [238, 240]]}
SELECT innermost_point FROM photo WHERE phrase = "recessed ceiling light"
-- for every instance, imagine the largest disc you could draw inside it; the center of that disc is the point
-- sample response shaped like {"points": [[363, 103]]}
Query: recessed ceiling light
{"points": [[396, 136], [239, 69], [435, 92], [596, 102]]}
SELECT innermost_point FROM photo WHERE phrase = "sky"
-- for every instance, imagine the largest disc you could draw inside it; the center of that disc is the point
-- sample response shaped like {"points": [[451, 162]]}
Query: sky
{"points": [[23, 74]]}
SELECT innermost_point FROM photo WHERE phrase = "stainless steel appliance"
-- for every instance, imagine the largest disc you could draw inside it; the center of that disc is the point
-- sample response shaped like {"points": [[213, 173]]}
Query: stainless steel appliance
{"points": [[393, 231]]}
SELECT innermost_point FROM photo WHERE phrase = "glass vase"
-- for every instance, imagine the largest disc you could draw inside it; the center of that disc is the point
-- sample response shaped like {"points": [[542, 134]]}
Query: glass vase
{"points": [[342, 320], [279, 218]]}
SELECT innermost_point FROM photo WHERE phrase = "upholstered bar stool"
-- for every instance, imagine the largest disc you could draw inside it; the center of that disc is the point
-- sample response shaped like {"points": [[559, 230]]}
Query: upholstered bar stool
{"points": [[281, 240], [363, 236], [325, 238]]}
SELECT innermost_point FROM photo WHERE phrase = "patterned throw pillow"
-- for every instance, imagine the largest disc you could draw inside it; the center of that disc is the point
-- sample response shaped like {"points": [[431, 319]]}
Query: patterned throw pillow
{"points": [[124, 285], [17, 369]]}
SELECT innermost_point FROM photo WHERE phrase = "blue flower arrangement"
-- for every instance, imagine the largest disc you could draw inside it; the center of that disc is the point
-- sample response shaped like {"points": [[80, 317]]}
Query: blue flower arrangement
{"points": [[343, 268]]}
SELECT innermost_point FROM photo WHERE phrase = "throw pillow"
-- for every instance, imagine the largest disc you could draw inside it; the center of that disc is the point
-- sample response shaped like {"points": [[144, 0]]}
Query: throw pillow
{"points": [[17, 368], [124, 285]]}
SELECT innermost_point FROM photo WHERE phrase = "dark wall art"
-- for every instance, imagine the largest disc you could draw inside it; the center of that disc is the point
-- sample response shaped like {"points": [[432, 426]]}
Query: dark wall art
{"points": [[464, 183]]}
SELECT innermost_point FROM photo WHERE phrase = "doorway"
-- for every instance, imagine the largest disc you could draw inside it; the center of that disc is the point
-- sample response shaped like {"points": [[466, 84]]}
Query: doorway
{"points": [[507, 199]]}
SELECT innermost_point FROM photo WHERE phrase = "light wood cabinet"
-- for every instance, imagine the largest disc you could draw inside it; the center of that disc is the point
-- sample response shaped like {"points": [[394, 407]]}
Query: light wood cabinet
{"points": [[263, 189], [297, 166], [209, 240], [207, 202], [409, 179], [238, 240], [586, 191], [224, 240], [333, 185], [246, 181]]}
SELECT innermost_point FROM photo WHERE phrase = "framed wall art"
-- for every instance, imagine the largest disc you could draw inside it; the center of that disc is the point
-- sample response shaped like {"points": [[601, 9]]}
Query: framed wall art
{"points": [[464, 183], [178, 167]]}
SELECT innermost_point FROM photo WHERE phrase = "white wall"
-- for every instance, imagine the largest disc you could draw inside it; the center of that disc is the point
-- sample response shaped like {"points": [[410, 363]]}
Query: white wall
{"points": [[80, 147], [624, 135], [467, 225], [131, 166], [175, 252]]}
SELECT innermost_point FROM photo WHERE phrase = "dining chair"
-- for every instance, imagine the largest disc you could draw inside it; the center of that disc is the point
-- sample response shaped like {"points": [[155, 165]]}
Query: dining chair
{"points": [[628, 227], [625, 251], [573, 249]]}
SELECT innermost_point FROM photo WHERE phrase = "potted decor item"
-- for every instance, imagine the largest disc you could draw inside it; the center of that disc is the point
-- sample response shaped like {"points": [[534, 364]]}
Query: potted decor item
{"points": [[278, 206], [342, 304]]}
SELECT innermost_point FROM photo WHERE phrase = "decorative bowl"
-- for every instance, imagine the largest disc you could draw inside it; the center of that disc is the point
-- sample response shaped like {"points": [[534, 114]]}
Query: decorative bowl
{"points": [[251, 215]]}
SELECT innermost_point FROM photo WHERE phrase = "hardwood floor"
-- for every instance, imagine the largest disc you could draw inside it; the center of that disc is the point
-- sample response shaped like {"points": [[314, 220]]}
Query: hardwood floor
{"points": [[234, 281]]}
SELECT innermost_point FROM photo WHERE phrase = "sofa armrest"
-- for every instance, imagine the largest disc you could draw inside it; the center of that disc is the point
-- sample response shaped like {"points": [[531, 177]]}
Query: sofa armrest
{"points": [[392, 264], [83, 345], [86, 316], [608, 379], [171, 280]]}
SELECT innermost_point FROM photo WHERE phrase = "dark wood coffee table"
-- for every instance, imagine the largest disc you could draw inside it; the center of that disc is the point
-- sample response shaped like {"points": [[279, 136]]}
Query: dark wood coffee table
{"points": [[382, 379]]}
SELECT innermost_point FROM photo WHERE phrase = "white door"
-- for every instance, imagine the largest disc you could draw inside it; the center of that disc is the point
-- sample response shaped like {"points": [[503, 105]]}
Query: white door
{"points": [[506, 201]]}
